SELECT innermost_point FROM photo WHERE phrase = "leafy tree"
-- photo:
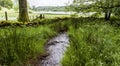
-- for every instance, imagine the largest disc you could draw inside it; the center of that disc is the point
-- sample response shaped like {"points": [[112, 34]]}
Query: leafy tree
{"points": [[107, 7], [6, 3], [23, 11], [101, 6]]}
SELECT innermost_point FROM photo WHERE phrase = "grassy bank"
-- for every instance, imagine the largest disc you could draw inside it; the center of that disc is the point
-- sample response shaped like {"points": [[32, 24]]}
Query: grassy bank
{"points": [[19, 45], [93, 44], [93, 41]]}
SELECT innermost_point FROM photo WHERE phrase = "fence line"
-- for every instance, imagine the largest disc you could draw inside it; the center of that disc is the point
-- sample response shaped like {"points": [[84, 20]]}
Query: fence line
{"points": [[31, 17]]}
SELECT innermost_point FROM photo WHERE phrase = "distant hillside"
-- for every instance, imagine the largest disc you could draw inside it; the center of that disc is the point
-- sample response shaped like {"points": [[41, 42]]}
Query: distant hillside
{"points": [[50, 8]]}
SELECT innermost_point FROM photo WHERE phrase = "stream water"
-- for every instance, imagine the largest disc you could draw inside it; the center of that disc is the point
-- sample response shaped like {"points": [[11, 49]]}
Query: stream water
{"points": [[56, 48]]}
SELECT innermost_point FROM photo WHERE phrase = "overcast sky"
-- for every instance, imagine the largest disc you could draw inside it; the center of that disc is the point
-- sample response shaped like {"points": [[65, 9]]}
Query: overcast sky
{"points": [[49, 2]]}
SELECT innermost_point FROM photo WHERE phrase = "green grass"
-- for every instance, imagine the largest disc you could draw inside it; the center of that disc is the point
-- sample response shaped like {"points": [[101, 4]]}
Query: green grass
{"points": [[93, 44], [19, 45], [93, 41]]}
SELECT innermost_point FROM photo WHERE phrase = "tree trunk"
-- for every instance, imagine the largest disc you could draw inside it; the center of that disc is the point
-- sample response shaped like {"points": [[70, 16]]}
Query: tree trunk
{"points": [[23, 11], [108, 14]]}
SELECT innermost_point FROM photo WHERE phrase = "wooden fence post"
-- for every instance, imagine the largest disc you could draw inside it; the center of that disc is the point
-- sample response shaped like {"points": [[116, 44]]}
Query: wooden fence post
{"points": [[6, 16]]}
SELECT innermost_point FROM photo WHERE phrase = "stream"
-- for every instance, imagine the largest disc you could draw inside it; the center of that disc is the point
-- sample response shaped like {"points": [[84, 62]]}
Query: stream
{"points": [[56, 48]]}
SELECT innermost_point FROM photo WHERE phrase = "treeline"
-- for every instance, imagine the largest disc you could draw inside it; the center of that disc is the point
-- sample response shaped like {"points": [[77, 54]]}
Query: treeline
{"points": [[49, 8]]}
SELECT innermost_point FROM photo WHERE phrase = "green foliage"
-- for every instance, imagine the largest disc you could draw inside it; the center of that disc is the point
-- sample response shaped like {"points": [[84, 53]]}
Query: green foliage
{"points": [[99, 6], [6, 3], [16, 8], [93, 45], [96, 15], [18, 45], [74, 15], [117, 11]]}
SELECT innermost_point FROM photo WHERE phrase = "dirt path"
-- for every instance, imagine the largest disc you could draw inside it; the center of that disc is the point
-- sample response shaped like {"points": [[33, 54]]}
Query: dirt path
{"points": [[56, 48]]}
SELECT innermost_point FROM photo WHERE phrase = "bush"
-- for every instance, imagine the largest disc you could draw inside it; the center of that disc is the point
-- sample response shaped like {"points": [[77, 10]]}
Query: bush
{"points": [[96, 15], [74, 15], [8, 3]]}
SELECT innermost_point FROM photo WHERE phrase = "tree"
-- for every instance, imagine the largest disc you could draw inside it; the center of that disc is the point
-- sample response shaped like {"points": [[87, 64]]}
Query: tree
{"points": [[6, 3], [108, 7], [105, 6], [23, 11]]}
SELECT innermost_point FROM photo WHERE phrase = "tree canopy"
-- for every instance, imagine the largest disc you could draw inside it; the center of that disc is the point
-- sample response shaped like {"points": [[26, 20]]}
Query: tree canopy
{"points": [[6, 3], [107, 7]]}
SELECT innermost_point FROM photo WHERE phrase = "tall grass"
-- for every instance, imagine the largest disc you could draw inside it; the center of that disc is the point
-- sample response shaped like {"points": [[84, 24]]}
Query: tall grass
{"points": [[93, 42], [19, 45], [93, 45]]}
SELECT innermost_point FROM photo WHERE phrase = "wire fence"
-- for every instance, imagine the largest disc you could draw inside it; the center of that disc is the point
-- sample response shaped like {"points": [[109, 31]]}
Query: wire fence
{"points": [[12, 16]]}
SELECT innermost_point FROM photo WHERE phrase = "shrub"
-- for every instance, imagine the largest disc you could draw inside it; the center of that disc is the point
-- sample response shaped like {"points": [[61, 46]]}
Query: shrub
{"points": [[74, 15]]}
